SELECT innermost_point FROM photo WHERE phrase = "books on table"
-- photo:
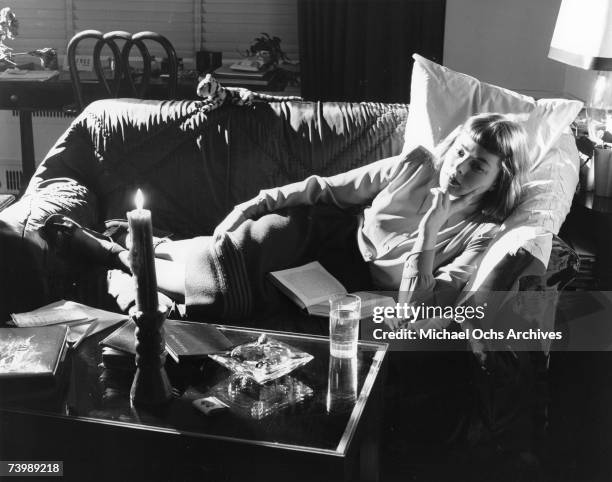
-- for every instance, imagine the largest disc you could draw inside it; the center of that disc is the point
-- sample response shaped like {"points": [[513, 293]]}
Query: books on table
{"points": [[236, 78], [251, 64], [246, 83], [32, 352], [228, 72], [193, 340], [184, 340], [310, 286], [31, 361]]}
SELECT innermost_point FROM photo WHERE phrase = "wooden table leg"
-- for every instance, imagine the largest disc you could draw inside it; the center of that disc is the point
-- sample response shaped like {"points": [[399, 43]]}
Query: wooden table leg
{"points": [[28, 162]]}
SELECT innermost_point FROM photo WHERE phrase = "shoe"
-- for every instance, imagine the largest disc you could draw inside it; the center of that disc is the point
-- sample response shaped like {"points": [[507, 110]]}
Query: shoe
{"points": [[68, 239]]}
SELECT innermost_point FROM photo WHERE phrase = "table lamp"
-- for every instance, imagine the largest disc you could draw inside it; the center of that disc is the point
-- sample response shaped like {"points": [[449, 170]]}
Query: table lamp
{"points": [[583, 38]]}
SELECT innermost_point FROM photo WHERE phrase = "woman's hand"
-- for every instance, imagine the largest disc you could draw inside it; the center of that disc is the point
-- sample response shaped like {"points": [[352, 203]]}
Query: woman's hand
{"points": [[230, 223], [393, 323]]}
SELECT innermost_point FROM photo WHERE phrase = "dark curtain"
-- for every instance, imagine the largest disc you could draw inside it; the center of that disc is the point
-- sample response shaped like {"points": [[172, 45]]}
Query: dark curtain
{"points": [[361, 50]]}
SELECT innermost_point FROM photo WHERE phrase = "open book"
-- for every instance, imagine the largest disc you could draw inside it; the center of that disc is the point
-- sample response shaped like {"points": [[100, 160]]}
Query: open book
{"points": [[310, 287]]}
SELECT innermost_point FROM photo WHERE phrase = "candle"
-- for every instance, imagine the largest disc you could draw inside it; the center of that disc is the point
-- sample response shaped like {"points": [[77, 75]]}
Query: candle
{"points": [[142, 256]]}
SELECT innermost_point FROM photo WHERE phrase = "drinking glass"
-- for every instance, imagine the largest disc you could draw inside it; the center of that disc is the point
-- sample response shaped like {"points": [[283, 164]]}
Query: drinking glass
{"points": [[344, 315], [341, 384]]}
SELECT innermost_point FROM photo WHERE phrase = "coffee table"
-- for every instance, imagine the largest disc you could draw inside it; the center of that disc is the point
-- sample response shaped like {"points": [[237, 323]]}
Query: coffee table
{"points": [[92, 428]]}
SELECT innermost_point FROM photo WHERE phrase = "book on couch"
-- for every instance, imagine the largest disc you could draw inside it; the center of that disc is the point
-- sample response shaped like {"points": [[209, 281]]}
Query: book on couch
{"points": [[310, 286]]}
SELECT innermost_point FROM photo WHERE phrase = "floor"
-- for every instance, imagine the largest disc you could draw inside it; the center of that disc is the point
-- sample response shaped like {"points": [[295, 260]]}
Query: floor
{"points": [[564, 432], [574, 445]]}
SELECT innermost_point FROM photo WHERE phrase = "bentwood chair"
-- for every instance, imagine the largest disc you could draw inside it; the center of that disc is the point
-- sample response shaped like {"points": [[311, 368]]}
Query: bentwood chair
{"points": [[122, 77]]}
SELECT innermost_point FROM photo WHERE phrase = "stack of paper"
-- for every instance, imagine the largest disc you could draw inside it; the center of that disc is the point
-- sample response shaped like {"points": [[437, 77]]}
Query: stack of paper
{"points": [[59, 312], [82, 320]]}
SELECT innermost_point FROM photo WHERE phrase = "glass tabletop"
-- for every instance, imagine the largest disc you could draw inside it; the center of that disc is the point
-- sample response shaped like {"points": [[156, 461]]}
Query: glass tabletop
{"points": [[322, 417]]}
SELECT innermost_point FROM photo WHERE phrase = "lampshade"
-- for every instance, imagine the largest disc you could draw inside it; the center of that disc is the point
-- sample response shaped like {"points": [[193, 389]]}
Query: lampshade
{"points": [[583, 34]]}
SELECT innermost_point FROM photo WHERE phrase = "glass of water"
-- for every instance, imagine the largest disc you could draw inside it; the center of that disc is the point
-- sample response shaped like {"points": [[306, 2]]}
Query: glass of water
{"points": [[344, 315], [341, 384]]}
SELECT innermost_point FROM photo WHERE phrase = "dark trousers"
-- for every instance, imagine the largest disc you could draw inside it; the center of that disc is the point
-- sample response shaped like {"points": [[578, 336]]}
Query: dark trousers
{"points": [[228, 278]]}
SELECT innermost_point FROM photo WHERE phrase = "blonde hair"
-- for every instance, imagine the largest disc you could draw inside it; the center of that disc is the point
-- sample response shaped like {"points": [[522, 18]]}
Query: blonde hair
{"points": [[505, 138]]}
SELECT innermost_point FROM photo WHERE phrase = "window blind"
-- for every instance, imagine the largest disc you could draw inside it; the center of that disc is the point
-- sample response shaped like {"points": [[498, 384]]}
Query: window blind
{"points": [[229, 26], [173, 19]]}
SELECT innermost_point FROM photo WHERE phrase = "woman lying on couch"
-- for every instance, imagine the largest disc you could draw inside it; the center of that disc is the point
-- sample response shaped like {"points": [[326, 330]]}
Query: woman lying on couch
{"points": [[416, 223]]}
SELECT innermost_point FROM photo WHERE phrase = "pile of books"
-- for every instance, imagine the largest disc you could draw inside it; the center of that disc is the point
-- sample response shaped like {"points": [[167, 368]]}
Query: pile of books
{"points": [[33, 349], [32, 360], [236, 75], [184, 341]]}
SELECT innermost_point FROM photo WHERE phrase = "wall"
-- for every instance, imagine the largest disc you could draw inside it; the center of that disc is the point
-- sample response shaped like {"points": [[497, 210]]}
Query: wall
{"points": [[579, 82], [505, 42]]}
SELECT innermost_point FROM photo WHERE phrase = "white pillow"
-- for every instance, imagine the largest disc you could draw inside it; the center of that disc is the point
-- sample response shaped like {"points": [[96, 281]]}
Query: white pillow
{"points": [[441, 99], [546, 200]]}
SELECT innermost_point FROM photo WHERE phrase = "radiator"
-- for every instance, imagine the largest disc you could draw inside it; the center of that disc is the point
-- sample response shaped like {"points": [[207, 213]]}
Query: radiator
{"points": [[47, 114], [47, 127], [10, 178]]}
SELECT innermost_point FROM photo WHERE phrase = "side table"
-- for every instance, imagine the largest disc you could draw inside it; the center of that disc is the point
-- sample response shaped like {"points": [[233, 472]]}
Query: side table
{"points": [[588, 229]]}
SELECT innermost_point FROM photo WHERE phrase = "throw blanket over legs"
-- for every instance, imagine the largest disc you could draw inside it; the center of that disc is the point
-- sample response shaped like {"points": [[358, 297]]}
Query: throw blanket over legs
{"points": [[227, 277]]}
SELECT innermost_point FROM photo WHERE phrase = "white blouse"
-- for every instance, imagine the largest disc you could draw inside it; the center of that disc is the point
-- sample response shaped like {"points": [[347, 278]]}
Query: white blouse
{"points": [[396, 194]]}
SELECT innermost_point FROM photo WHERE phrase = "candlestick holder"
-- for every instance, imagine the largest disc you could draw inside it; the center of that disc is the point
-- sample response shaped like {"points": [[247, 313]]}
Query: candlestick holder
{"points": [[151, 385]]}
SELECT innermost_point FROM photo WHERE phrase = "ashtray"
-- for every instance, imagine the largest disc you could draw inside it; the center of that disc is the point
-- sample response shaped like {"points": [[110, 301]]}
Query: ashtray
{"points": [[251, 399], [263, 360]]}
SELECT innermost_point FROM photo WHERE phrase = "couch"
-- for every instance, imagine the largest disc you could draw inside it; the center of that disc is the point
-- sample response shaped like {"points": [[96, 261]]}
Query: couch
{"points": [[194, 166]]}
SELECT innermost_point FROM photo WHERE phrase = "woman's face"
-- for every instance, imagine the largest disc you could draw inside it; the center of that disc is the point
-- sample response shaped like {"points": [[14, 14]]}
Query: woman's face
{"points": [[469, 168]]}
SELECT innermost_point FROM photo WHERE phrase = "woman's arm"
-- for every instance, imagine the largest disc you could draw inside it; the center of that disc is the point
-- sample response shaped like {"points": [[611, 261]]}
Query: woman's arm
{"points": [[352, 188], [357, 187]]}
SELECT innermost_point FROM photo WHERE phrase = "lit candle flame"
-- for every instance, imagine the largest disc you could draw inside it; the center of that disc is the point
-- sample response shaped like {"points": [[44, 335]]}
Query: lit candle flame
{"points": [[139, 199]]}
